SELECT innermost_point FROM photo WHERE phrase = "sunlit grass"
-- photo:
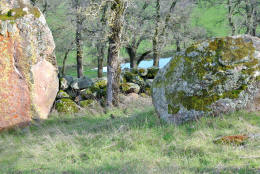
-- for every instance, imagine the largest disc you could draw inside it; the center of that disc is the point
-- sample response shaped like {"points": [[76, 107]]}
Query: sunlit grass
{"points": [[136, 141]]}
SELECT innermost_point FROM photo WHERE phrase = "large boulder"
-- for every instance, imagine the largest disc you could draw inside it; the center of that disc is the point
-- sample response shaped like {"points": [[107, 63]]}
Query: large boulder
{"points": [[212, 77], [28, 78]]}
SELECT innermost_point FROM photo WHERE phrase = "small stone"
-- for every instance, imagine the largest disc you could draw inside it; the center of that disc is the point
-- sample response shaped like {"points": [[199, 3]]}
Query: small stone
{"points": [[62, 94]]}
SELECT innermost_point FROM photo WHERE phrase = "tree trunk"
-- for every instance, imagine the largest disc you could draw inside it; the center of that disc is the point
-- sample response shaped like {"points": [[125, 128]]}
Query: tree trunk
{"points": [[248, 17], [143, 56], [230, 19], [116, 26], [255, 23], [79, 42], [156, 49], [64, 62], [178, 45], [132, 55], [101, 55]]}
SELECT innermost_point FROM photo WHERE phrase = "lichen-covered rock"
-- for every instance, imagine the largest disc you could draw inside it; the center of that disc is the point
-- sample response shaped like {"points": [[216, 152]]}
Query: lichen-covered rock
{"points": [[133, 78], [66, 105], [152, 72], [62, 94], [100, 83], [28, 79], [87, 94], [210, 78], [142, 72], [73, 93], [65, 82], [128, 88], [81, 83]]}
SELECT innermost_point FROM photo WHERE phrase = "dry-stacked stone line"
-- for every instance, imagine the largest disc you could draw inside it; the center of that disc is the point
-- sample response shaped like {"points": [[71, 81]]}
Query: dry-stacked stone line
{"points": [[28, 78], [212, 77]]}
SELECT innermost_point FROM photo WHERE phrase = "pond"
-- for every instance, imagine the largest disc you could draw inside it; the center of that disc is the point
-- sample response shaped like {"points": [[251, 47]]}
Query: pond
{"points": [[144, 64]]}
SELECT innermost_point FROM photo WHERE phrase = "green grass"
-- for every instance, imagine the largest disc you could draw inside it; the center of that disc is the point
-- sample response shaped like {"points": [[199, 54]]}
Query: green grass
{"points": [[90, 73], [134, 142], [213, 19]]}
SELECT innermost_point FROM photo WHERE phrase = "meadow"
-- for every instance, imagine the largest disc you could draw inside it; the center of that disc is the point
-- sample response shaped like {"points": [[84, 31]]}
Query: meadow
{"points": [[135, 141]]}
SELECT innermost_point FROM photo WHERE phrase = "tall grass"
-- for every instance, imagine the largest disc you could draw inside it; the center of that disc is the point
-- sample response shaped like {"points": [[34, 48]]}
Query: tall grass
{"points": [[136, 141]]}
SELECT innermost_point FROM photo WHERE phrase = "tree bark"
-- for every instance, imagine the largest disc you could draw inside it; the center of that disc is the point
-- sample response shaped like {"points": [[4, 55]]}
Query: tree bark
{"points": [[79, 41], [143, 56], [64, 61], [255, 23], [101, 55], [116, 26], [248, 17], [156, 52], [230, 19], [131, 51], [178, 45]]}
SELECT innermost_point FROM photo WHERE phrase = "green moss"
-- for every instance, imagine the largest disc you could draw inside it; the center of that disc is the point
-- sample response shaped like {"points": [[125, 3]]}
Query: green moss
{"points": [[173, 110], [16, 13], [35, 11], [221, 50], [200, 102], [100, 84], [86, 103], [66, 106], [125, 87], [152, 72], [173, 64], [62, 94]]}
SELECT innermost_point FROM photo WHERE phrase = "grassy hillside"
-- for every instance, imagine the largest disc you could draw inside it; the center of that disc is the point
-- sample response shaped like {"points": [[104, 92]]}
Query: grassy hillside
{"points": [[134, 142]]}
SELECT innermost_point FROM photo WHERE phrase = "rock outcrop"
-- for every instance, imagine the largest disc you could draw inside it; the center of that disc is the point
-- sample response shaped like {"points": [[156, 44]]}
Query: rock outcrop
{"points": [[212, 77], [28, 79]]}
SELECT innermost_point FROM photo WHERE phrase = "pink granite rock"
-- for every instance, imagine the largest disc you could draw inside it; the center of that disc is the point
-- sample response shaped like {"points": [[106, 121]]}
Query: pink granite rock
{"points": [[28, 71]]}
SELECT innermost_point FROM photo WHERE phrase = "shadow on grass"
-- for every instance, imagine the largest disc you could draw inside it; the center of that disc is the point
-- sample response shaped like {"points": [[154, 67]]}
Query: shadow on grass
{"points": [[92, 124]]}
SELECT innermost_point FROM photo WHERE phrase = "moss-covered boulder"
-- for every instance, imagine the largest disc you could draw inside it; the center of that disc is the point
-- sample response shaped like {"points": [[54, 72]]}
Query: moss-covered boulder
{"points": [[128, 88], [212, 77], [66, 105]]}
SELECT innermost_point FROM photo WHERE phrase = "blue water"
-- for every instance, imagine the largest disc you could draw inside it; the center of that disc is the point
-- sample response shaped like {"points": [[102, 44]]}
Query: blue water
{"points": [[145, 64]]}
